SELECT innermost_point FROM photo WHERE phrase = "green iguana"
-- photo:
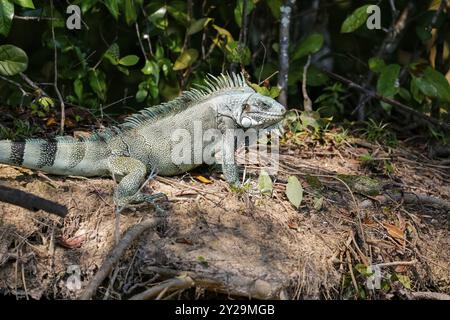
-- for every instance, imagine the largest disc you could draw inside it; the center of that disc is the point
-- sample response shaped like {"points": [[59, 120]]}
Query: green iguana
{"points": [[142, 144]]}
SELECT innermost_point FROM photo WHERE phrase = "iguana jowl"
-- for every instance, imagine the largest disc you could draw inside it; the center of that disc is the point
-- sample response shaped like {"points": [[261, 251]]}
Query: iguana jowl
{"points": [[143, 142]]}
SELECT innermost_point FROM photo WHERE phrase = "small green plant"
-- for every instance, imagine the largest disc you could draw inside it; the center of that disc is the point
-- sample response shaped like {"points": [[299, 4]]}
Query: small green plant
{"points": [[379, 132], [20, 130], [331, 101]]}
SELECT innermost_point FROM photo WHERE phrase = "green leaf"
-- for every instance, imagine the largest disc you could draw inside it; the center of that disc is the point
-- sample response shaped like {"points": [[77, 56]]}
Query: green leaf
{"points": [[113, 7], [440, 84], [310, 45], [239, 54], [265, 183], [198, 25], [404, 280], [130, 12], [159, 18], [318, 203], [355, 20], [224, 33], [426, 87], [97, 81], [151, 68], [388, 84], [113, 54], [238, 10], [376, 64], [141, 95], [178, 15], [415, 91], [129, 60], [294, 191], [46, 102], [274, 6], [13, 60], [25, 3], [186, 59], [78, 88], [6, 16], [405, 94]]}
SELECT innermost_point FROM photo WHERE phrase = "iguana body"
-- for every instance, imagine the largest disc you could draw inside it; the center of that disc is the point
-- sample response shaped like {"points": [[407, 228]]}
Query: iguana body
{"points": [[144, 142]]}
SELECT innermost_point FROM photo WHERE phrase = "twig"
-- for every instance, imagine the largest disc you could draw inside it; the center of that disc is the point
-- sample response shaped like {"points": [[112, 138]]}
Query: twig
{"points": [[140, 41], [307, 104], [285, 9], [31, 202], [115, 254], [396, 263], [28, 18], [55, 61]]}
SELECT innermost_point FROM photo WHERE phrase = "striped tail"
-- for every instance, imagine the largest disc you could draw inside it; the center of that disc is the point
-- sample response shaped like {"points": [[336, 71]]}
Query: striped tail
{"points": [[61, 156]]}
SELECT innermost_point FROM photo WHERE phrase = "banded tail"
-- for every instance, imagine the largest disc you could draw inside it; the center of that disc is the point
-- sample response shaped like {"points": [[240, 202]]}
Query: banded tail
{"points": [[61, 156]]}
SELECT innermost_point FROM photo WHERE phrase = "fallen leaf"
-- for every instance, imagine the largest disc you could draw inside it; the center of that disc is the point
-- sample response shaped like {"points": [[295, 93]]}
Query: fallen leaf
{"points": [[395, 232], [293, 225], [401, 269], [50, 122], [71, 243], [202, 179]]}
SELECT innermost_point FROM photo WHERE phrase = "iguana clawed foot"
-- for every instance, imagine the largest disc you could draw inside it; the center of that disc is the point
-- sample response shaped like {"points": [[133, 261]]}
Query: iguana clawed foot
{"points": [[123, 202]]}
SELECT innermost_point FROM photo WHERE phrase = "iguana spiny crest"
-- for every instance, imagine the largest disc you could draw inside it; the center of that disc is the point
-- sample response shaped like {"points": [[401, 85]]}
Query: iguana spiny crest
{"points": [[131, 150]]}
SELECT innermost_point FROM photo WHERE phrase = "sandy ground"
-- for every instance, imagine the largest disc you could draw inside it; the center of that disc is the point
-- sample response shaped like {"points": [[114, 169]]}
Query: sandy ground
{"points": [[248, 244]]}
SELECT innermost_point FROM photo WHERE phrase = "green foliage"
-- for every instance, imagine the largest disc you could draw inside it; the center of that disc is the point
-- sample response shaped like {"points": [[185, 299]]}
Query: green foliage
{"points": [[379, 132], [310, 45], [355, 20], [152, 50], [13, 60]]}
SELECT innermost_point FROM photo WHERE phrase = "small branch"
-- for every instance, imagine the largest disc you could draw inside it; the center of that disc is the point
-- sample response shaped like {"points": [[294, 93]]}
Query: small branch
{"points": [[307, 104], [27, 18], [55, 58], [138, 32], [286, 10], [396, 263], [115, 254], [31, 202], [392, 102]]}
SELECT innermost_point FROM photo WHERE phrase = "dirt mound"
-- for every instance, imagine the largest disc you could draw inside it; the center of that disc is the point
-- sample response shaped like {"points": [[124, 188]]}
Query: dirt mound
{"points": [[237, 244]]}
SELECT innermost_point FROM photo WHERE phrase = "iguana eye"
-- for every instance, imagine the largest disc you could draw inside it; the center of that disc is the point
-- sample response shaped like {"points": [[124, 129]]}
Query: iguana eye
{"points": [[246, 108]]}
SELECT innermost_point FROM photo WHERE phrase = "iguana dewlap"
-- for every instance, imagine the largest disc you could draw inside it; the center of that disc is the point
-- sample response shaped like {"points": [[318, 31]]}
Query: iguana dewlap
{"points": [[144, 142]]}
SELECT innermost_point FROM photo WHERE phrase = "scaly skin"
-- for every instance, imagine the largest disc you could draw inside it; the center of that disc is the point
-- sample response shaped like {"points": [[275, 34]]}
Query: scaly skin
{"points": [[144, 142]]}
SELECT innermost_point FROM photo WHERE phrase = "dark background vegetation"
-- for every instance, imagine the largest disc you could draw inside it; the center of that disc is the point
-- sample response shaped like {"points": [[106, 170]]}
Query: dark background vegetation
{"points": [[133, 54]]}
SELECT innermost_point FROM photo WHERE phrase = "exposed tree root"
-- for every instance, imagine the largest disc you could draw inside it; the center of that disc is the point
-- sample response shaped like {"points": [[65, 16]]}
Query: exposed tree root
{"points": [[182, 282], [231, 284], [114, 256]]}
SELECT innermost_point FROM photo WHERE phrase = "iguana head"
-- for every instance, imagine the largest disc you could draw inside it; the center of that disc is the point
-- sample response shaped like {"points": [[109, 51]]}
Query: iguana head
{"points": [[258, 111]]}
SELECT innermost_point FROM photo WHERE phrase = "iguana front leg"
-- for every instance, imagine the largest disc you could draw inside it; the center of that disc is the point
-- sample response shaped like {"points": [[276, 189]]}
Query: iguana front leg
{"points": [[229, 167], [131, 173]]}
